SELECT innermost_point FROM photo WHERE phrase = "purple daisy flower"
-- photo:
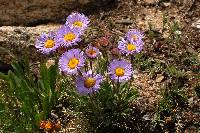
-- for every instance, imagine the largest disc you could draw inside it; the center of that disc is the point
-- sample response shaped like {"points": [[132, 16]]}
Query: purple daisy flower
{"points": [[120, 70], [46, 44], [71, 61], [77, 21], [67, 37], [89, 83], [127, 47], [134, 36], [92, 52]]}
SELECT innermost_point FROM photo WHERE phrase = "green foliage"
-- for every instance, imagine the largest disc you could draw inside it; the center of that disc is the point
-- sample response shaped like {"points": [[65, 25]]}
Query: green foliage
{"points": [[30, 99], [143, 63], [107, 109], [102, 65], [173, 72], [173, 97]]}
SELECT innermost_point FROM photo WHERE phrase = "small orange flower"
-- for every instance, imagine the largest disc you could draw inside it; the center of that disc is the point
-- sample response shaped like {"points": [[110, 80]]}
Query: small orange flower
{"points": [[48, 125], [115, 51], [42, 124], [104, 41]]}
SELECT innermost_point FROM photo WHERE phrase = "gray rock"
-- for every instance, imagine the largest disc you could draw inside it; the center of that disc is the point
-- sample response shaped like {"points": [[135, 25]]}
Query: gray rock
{"points": [[196, 24], [15, 41], [32, 12]]}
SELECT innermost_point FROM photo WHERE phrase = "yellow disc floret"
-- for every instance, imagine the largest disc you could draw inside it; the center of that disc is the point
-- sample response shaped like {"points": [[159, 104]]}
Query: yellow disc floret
{"points": [[69, 36], [91, 52], [134, 37], [89, 82], [131, 47], [119, 71], [49, 44], [73, 63], [78, 23]]}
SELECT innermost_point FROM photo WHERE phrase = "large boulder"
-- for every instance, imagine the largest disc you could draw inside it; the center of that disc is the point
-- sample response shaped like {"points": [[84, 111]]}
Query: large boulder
{"points": [[33, 12], [15, 41]]}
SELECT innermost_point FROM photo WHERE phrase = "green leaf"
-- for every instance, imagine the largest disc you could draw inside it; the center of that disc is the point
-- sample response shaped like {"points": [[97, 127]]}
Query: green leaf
{"points": [[39, 117], [53, 73], [46, 106], [102, 65], [130, 95], [19, 72], [44, 76], [3, 76]]}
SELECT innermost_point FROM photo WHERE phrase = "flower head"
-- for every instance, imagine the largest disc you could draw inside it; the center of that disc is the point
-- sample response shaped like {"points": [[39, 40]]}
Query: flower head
{"points": [[134, 36], [77, 21], [46, 43], [103, 41], [120, 70], [67, 37], [115, 51], [88, 83], [42, 124], [127, 47], [71, 61], [48, 125], [92, 52]]}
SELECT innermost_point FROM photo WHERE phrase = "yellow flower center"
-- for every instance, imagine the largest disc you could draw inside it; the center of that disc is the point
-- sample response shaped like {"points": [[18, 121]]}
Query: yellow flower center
{"points": [[119, 71], [91, 52], [89, 82], [131, 47], [78, 23], [73, 63], [69, 36], [48, 125], [49, 44], [134, 37]]}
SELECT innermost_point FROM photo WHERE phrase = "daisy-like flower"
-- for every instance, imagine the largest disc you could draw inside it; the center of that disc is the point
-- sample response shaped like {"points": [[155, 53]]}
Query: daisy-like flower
{"points": [[92, 52], [134, 36], [71, 61], [67, 37], [89, 83], [120, 70], [127, 47], [77, 21], [46, 43]]}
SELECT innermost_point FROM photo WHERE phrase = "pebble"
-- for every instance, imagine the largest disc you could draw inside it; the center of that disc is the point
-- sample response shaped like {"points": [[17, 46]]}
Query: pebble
{"points": [[159, 78]]}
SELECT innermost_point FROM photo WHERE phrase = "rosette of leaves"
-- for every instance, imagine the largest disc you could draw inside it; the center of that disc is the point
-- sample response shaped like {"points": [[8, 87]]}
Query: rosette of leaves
{"points": [[27, 99]]}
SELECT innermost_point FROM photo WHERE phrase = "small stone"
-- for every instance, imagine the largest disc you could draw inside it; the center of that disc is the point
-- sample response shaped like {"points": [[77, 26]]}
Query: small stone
{"points": [[146, 117], [159, 78], [54, 115], [168, 119], [166, 4], [191, 100], [178, 32], [196, 24], [150, 1]]}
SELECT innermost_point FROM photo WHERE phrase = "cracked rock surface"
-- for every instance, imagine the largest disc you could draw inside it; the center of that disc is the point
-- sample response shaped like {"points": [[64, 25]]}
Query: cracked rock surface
{"points": [[33, 12]]}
